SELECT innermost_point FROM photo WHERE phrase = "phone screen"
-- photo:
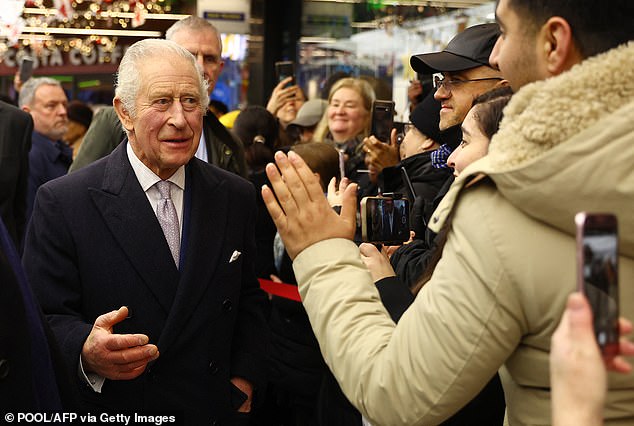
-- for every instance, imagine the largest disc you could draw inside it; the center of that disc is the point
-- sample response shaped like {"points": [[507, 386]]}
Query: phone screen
{"points": [[26, 69], [285, 69], [598, 245], [382, 120], [385, 220]]}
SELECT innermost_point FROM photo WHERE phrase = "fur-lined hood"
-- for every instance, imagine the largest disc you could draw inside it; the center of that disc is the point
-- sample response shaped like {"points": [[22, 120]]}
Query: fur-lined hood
{"points": [[566, 144]]}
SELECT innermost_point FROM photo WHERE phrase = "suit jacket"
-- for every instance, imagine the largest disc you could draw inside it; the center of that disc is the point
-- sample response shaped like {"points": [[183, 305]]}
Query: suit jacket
{"points": [[48, 160], [16, 127], [105, 134], [94, 244]]}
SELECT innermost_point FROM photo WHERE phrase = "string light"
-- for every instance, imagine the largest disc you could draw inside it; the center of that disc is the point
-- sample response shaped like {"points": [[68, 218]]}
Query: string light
{"points": [[81, 15]]}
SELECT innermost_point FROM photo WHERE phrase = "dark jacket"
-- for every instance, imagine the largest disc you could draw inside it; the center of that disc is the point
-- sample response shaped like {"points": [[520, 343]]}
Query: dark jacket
{"points": [[426, 180], [33, 376], [264, 229], [16, 127], [207, 318], [48, 160]]}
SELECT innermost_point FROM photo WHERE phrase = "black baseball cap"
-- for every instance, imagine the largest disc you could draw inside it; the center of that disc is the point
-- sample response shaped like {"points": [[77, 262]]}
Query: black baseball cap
{"points": [[469, 49]]}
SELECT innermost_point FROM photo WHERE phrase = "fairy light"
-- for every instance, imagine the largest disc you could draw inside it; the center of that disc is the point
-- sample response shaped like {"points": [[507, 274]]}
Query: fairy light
{"points": [[87, 16]]}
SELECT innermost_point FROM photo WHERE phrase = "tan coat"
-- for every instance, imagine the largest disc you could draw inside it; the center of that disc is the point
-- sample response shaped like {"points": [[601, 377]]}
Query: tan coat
{"points": [[566, 145]]}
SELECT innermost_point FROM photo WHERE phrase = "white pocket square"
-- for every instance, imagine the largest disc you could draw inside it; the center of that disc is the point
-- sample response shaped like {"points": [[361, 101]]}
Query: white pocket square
{"points": [[236, 254]]}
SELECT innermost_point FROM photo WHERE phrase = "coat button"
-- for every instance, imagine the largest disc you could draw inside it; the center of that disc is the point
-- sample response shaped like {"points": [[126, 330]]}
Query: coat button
{"points": [[213, 367], [227, 305], [4, 368]]}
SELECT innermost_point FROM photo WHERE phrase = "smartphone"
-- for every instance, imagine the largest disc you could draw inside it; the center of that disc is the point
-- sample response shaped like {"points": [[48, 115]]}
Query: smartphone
{"points": [[382, 120], [26, 68], [385, 220], [342, 163], [597, 275], [284, 69]]}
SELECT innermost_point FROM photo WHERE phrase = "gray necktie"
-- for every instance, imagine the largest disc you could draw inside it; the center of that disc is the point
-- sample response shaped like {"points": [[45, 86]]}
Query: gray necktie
{"points": [[166, 213]]}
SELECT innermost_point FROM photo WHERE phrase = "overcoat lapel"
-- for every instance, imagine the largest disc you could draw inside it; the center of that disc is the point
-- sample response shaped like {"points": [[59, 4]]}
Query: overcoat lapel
{"points": [[127, 213], [208, 220]]}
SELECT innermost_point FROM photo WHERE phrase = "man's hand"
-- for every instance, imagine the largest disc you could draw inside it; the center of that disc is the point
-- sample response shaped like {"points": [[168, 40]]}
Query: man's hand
{"points": [[116, 356], [302, 215], [376, 261], [247, 388], [281, 95], [380, 155]]}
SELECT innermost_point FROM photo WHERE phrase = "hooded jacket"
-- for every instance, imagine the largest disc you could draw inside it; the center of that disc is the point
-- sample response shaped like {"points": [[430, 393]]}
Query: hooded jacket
{"points": [[566, 145]]}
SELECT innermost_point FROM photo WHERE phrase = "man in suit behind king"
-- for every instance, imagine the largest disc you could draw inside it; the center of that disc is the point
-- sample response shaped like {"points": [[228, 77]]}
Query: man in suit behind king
{"points": [[143, 261]]}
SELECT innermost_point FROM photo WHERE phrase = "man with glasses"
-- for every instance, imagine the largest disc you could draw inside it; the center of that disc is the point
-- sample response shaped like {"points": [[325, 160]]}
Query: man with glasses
{"points": [[217, 145], [461, 71]]}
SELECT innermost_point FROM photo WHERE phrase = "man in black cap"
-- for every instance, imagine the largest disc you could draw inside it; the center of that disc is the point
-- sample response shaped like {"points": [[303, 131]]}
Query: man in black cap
{"points": [[466, 72]]}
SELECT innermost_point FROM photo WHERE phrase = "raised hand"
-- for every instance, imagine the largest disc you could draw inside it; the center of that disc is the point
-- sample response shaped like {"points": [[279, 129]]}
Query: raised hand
{"points": [[301, 211], [116, 356]]}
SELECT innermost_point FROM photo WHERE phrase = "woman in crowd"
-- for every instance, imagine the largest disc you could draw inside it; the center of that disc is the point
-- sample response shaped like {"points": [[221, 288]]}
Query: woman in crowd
{"points": [[346, 123], [421, 138], [284, 104]]}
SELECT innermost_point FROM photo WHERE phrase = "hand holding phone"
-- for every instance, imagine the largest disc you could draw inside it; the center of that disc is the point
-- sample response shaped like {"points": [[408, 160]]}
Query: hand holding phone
{"points": [[382, 119], [385, 220], [597, 275], [284, 69]]}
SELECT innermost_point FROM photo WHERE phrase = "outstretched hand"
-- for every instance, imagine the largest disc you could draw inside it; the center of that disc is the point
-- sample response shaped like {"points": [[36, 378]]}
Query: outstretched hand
{"points": [[301, 211], [116, 356]]}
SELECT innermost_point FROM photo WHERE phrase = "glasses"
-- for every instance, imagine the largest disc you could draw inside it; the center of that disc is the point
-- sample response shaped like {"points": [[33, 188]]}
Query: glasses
{"points": [[449, 85], [407, 127]]}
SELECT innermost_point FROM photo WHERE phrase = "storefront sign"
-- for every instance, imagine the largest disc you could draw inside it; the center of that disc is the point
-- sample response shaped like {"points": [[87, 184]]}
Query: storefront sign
{"points": [[56, 60], [229, 16]]}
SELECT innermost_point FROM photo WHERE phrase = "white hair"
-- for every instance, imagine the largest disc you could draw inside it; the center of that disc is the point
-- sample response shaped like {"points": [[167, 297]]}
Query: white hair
{"points": [[27, 93], [193, 23], [128, 77]]}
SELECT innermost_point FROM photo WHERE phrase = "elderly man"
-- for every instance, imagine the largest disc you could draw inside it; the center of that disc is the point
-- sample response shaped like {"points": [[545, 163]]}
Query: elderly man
{"points": [[217, 145], [49, 156], [143, 261], [508, 265]]}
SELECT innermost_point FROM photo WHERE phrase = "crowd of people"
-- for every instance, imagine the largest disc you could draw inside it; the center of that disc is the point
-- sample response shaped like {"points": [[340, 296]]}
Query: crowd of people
{"points": [[135, 244]]}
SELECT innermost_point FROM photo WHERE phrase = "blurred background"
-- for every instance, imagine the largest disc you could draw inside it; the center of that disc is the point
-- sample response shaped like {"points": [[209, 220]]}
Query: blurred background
{"points": [[80, 42]]}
